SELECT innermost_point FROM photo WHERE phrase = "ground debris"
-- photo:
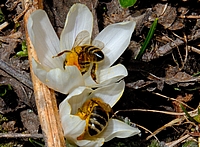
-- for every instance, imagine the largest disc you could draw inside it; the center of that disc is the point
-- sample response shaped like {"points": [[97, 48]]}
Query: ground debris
{"points": [[180, 98], [30, 121], [173, 76], [9, 126], [165, 13]]}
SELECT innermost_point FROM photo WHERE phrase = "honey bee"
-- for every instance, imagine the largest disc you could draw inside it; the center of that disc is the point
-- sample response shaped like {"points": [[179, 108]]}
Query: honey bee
{"points": [[96, 113], [84, 56]]}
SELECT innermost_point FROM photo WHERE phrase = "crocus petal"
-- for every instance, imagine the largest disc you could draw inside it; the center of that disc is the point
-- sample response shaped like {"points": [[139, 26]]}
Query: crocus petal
{"points": [[73, 126], [116, 38], [77, 98], [110, 94], [64, 108], [59, 79], [118, 129], [44, 39], [106, 76], [78, 19], [90, 143]]}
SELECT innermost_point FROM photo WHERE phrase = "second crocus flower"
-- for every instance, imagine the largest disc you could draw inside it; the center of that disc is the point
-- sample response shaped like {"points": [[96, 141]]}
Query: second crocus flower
{"points": [[74, 126]]}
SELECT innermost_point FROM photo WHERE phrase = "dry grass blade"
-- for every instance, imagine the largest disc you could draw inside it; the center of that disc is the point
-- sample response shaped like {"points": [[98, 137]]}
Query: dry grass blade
{"points": [[173, 143], [171, 123], [44, 97]]}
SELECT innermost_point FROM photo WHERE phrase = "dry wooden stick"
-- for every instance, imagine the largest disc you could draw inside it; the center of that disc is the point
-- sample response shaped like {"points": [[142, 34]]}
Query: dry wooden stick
{"points": [[44, 97]]}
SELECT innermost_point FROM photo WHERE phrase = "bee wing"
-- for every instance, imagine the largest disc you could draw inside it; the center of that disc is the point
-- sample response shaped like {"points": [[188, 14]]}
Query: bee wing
{"points": [[82, 38], [98, 44]]}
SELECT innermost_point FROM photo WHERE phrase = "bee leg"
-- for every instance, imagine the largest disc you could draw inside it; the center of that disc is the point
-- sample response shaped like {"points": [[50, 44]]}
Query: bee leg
{"points": [[64, 64], [93, 72], [61, 53]]}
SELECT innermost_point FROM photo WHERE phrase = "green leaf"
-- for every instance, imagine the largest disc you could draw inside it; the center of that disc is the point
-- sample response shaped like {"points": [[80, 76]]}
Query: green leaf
{"points": [[127, 3], [24, 47], [154, 143], [177, 89], [197, 118], [17, 25], [24, 52], [187, 114], [3, 119], [35, 143], [196, 74], [2, 17], [4, 89], [190, 143], [148, 38]]}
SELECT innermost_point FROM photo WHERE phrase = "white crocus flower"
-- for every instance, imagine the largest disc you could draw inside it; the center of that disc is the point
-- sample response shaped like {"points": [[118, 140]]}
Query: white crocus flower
{"points": [[74, 126], [115, 37]]}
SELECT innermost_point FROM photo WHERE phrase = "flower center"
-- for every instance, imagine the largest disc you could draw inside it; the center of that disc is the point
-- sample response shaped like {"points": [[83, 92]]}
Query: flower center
{"points": [[72, 59], [96, 113]]}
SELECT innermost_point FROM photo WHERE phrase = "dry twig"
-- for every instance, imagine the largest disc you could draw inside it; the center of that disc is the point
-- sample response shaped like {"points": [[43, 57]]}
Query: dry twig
{"points": [[20, 135], [173, 143], [171, 123], [16, 74]]}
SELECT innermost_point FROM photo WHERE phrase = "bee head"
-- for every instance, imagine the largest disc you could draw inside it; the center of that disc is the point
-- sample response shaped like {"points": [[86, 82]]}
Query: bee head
{"points": [[99, 56]]}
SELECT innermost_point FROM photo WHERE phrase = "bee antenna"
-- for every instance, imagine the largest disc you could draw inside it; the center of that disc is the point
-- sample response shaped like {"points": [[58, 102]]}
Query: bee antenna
{"points": [[61, 53]]}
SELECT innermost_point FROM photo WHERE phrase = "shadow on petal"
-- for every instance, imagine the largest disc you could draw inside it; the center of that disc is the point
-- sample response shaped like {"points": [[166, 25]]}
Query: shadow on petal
{"points": [[72, 125], [78, 19], [58, 79], [110, 94], [78, 97], [90, 143], [44, 39], [118, 129], [107, 76]]}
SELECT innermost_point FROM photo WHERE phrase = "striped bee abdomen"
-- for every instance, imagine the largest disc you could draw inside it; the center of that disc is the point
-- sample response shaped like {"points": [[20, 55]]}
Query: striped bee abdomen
{"points": [[98, 121], [97, 113]]}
